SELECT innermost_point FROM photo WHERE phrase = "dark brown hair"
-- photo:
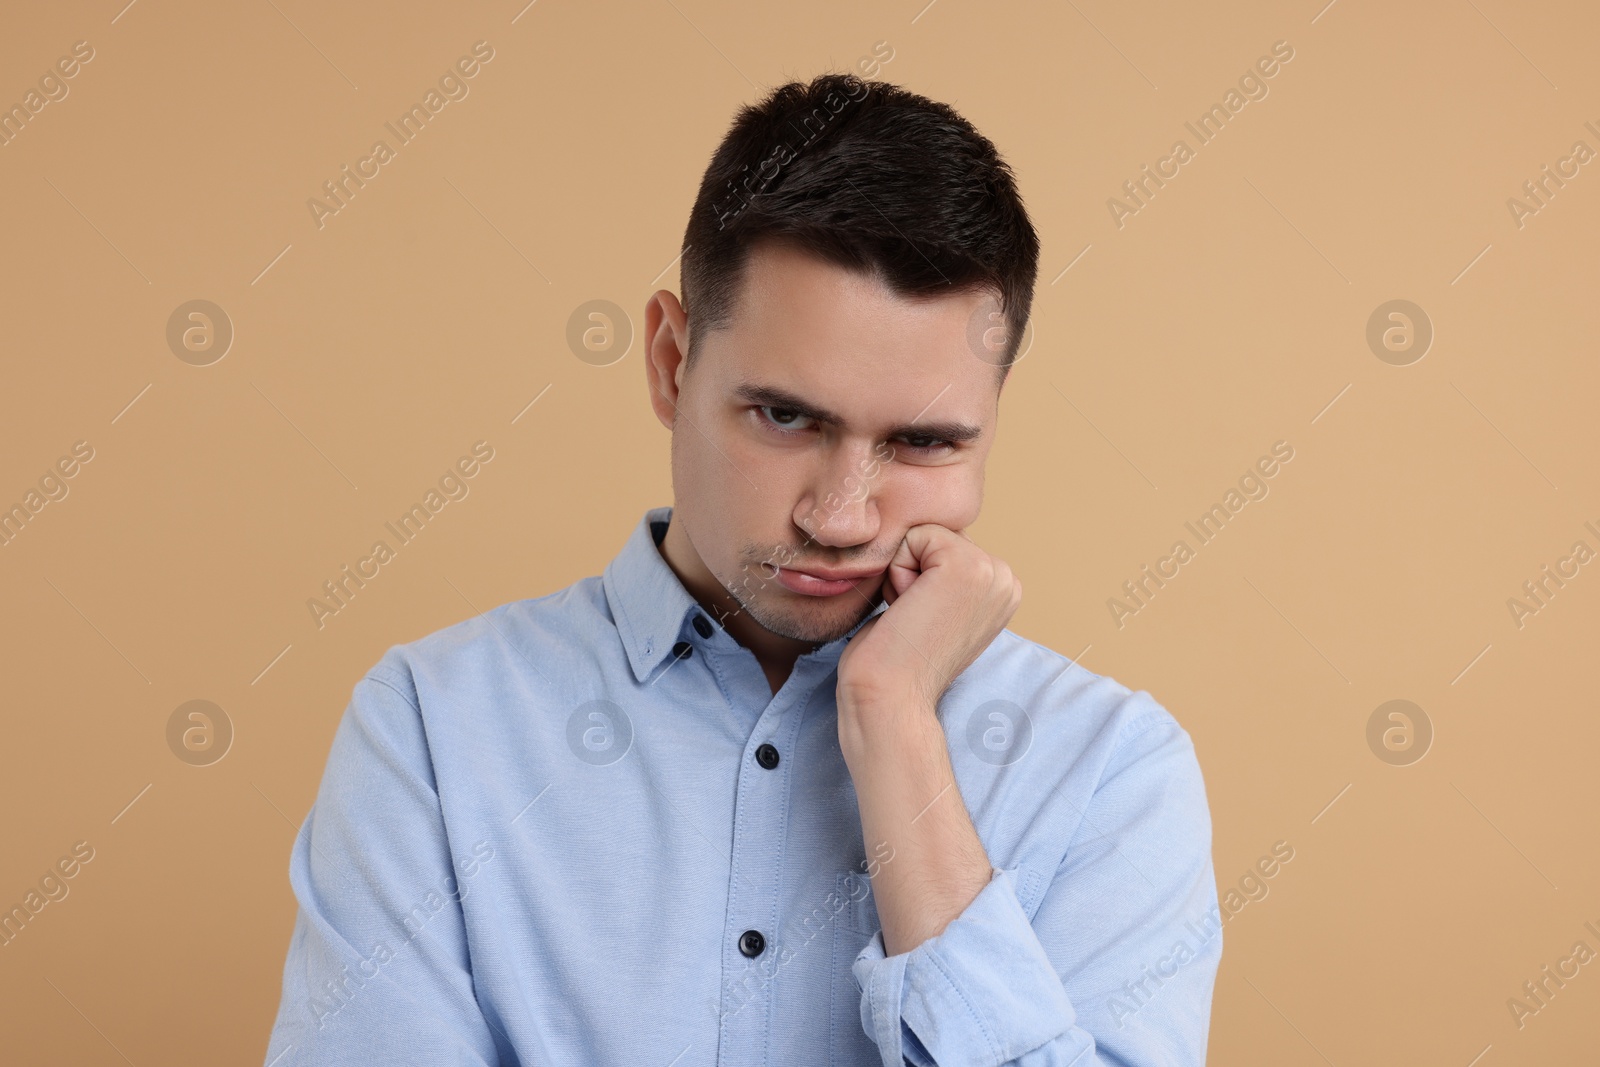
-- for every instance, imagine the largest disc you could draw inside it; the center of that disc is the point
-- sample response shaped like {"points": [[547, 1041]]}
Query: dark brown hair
{"points": [[869, 176]]}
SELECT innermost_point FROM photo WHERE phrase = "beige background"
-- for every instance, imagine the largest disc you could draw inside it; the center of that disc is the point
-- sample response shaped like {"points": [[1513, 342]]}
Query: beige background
{"points": [[1229, 313]]}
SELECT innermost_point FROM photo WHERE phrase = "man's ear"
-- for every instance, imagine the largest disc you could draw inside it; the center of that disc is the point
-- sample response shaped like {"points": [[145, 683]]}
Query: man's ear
{"points": [[666, 344]]}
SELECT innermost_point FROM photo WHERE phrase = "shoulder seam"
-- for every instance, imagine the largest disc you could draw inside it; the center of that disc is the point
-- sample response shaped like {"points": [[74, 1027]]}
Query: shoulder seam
{"points": [[1145, 723], [374, 676]]}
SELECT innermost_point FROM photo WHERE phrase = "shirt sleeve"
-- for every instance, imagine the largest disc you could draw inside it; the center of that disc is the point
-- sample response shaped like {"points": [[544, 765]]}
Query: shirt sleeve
{"points": [[1118, 963], [378, 968]]}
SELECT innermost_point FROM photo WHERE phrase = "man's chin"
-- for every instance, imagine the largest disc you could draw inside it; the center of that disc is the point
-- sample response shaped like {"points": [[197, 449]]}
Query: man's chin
{"points": [[815, 620]]}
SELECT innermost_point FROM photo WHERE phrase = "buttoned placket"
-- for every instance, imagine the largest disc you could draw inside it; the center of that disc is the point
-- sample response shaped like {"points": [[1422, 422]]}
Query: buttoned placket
{"points": [[752, 951]]}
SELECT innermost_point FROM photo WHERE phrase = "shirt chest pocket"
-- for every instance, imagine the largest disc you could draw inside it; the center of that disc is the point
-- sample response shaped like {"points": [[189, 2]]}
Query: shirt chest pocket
{"points": [[854, 925]]}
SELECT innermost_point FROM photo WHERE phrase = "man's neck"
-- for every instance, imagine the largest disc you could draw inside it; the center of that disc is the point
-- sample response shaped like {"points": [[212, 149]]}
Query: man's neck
{"points": [[775, 653]]}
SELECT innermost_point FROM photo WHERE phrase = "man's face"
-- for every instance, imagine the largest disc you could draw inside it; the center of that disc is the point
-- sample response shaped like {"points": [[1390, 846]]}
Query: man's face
{"points": [[827, 419]]}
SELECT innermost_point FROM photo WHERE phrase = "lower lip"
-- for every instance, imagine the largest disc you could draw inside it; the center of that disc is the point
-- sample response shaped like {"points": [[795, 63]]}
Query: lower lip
{"points": [[805, 584]]}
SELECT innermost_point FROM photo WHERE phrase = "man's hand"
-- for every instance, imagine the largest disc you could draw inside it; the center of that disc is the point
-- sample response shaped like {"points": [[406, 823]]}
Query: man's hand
{"points": [[948, 599]]}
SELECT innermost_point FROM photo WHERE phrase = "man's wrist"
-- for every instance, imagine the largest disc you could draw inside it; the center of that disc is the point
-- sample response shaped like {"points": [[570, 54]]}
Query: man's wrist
{"points": [[881, 718]]}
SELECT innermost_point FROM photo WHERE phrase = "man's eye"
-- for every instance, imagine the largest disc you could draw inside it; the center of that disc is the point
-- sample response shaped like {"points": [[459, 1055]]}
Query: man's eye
{"points": [[782, 417], [925, 443]]}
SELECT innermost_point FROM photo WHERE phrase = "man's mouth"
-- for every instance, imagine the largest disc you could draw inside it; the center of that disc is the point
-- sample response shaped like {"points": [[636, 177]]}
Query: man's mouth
{"points": [[818, 581]]}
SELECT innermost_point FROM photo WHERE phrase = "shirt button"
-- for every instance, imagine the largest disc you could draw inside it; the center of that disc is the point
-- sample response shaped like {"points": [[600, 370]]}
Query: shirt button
{"points": [[767, 756], [682, 649], [702, 626], [751, 943]]}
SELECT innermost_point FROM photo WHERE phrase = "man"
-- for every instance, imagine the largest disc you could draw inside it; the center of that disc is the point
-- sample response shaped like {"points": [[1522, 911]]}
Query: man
{"points": [[778, 787]]}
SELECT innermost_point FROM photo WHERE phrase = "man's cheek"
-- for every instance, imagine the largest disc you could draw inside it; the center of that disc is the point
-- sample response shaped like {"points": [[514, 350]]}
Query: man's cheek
{"points": [[945, 496]]}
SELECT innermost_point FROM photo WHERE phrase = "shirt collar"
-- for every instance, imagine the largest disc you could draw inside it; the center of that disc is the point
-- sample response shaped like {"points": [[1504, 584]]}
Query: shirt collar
{"points": [[653, 611]]}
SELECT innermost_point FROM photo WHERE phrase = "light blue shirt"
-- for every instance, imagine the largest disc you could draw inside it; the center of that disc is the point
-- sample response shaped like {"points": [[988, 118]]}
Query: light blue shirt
{"points": [[556, 834]]}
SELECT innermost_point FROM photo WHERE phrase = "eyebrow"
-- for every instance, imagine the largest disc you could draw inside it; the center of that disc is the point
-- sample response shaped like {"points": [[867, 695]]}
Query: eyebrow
{"points": [[771, 396]]}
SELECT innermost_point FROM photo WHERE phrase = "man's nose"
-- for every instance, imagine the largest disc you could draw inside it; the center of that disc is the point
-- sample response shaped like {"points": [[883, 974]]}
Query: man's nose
{"points": [[843, 509]]}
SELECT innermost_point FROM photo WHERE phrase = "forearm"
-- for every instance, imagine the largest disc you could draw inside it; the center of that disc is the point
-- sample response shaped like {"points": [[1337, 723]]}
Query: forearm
{"points": [[896, 753]]}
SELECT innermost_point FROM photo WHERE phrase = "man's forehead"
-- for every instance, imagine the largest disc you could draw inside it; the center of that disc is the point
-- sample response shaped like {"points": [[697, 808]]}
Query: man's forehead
{"points": [[843, 341]]}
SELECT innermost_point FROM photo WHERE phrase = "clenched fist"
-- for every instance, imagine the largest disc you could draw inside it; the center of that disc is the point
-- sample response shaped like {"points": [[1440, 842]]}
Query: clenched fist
{"points": [[948, 599]]}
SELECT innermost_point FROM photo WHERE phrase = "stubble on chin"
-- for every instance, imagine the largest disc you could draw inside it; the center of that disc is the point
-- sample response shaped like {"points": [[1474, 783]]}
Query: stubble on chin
{"points": [[819, 628], [816, 624]]}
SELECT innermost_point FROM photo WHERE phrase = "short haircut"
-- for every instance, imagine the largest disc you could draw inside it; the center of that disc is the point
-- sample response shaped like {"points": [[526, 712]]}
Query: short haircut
{"points": [[868, 176]]}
